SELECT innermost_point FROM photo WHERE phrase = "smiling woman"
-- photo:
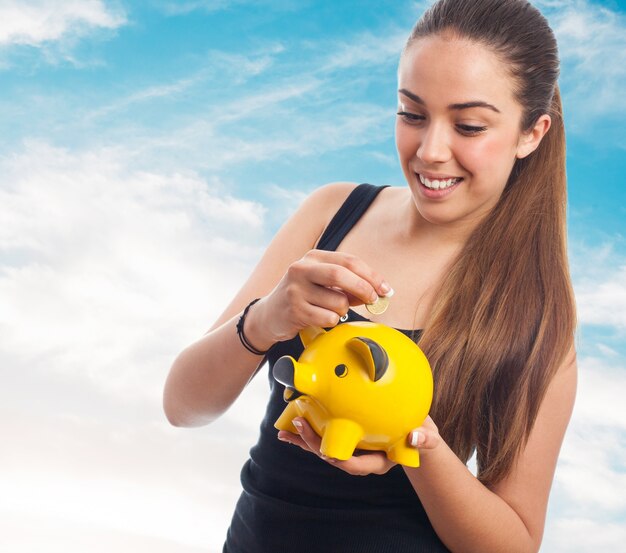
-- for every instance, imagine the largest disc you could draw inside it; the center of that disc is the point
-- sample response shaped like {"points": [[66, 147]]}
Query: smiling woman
{"points": [[474, 247], [474, 140]]}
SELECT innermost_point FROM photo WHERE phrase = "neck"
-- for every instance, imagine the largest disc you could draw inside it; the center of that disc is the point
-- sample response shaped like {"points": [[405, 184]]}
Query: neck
{"points": [[418, 229]]}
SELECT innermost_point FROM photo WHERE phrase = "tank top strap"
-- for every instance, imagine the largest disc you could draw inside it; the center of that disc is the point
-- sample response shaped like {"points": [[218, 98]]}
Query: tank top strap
{"points": [[347, 215]]}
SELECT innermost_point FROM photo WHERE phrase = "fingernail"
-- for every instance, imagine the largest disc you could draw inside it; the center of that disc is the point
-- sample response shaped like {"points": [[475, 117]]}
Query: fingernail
{"points": [[374, 298], [297, 424], [385, 289], [390, 293], [415, 438]]}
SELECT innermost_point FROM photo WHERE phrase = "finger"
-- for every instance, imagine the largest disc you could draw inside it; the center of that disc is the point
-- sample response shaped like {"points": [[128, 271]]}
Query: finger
{"points": [[424, 438], [306, 432], [318, 316], [361, 465], [311, 439], [294, 439], [336, 276], [355, 265], [370, 463], [327, 298]]}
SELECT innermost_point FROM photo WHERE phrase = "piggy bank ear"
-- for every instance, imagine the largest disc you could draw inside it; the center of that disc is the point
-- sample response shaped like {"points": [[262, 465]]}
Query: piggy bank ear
{"points": [[373, 355], [308, 334]]}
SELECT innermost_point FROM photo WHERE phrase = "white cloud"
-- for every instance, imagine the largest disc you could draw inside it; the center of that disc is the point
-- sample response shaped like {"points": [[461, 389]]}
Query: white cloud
{"points": [[101, 262], [185, 7], [107, 272], [36, 22], [589, 492], [599, 276], [592, 44], [236, 68], [367, 50], [268, 125], [602, 301], [53, 536], [189, 6], [602, 381], [252, 104], [579, 535], [129, 482]]}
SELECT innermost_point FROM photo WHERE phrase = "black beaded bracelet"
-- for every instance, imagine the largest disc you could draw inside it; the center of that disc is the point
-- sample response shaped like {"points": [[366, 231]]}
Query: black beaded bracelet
{"points": [[242, 336]]}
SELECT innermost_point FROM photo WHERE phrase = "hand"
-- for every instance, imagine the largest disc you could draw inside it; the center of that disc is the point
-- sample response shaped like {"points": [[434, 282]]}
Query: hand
{"points": [[375, 462], [316, 291], [425, 437]]}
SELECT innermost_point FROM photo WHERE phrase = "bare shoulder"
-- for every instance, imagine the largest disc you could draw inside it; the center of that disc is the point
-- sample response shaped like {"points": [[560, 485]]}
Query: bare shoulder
{"points": [[313, 215], [325, 200]]}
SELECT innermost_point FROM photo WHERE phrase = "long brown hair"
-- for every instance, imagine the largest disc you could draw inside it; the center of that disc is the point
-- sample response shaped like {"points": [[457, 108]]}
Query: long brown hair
{"points": [[504, 317]]}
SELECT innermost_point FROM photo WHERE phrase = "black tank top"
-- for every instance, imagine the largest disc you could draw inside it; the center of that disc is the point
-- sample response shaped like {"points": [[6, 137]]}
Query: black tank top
{"points": [[292, 501]]}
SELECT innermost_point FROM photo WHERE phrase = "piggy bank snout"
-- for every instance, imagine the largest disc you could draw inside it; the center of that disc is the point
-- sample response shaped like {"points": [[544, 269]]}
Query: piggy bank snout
{"points": [[284, 371]]}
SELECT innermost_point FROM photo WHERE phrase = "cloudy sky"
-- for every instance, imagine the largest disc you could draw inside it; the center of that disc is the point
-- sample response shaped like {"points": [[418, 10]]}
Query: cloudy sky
{"points": [[148, 152]]}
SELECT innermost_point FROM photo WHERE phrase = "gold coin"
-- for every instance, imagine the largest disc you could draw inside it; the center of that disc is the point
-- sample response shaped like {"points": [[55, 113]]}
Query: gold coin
{"points": [[379, 306]]}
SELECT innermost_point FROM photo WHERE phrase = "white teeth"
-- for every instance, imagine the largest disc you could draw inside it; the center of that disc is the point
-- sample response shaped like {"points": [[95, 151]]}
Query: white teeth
{"points": [[438, 184]]}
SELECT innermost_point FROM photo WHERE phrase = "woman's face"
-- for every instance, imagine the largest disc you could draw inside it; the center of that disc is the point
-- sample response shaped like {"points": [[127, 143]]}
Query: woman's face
{"points": [[458, 130]]}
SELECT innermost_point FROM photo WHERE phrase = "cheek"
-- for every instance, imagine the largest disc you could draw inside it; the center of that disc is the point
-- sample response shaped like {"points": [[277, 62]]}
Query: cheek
{"points": [[405, 142], [494, 155]]}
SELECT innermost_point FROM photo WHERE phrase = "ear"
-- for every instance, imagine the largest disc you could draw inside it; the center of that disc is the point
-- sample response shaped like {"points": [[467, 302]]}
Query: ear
{"points": [[530, 140], [308, 334], [373, 355]]}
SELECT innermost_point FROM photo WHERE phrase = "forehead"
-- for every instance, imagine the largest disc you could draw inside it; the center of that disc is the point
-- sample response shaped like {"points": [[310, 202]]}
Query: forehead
{"points": [[446, 70]]}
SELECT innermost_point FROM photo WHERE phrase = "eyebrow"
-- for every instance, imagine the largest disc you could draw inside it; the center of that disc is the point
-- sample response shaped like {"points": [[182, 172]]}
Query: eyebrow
{"points": [[463, 105]]}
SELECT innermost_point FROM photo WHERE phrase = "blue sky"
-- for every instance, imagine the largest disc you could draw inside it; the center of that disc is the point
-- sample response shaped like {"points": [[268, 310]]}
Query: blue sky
{"points": [[148, 152]]}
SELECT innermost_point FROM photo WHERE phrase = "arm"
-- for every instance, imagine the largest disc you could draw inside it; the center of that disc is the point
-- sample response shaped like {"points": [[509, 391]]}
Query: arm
{"points": [[510, 517], [467, 516], [207, 376]]}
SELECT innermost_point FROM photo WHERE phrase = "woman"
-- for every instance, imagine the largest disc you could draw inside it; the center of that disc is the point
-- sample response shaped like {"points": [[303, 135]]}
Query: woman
{"points": [[474, 248]]}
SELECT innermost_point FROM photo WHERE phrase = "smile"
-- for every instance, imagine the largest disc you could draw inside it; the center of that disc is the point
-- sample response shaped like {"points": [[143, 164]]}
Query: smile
{"points": [[441, 184]]}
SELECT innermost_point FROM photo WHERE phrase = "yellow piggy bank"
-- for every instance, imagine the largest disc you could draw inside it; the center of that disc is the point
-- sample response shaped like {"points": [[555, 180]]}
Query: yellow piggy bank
{"points": [[360, 385]]}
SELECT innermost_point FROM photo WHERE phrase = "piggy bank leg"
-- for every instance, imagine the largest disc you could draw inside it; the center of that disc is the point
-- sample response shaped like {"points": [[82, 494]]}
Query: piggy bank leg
{"points": [[284, 421], [341, 436], [401, 453]]}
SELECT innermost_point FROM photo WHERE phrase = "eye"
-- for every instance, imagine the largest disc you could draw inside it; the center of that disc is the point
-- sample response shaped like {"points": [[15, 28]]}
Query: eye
{"points": [[470, 130], [411, 118], [341, 371]]}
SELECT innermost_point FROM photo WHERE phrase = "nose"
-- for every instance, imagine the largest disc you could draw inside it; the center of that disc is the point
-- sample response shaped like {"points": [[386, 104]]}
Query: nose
{"points": [[434, 146]]}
